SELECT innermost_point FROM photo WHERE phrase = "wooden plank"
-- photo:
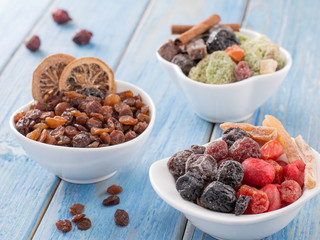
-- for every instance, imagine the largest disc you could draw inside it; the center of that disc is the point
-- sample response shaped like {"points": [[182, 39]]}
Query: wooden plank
{"points": [[295, 102], [25, 186], [16, 26], [176, 128]]}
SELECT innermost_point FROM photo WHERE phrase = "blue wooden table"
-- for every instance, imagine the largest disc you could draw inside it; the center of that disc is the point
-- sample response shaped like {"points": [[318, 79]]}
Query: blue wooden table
{"points": [[126, 35]]}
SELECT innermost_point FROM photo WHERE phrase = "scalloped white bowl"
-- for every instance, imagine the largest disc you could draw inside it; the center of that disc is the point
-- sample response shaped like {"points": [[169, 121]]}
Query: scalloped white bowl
{"points": [[227, 102], [227, 225], [86, 165]]}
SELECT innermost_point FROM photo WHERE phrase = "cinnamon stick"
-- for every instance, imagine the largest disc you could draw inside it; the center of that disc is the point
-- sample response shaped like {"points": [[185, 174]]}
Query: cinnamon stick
{"points": [[179, 29], [197, 30]]}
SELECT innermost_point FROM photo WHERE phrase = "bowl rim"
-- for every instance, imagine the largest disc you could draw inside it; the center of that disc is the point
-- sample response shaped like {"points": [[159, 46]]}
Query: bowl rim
{"points": [[130, 86], [194, 210], [178, 70]]}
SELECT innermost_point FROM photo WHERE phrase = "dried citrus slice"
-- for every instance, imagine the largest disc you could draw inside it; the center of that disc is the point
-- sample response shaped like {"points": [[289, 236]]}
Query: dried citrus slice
{"points": [[89, 76], [46, 76]]}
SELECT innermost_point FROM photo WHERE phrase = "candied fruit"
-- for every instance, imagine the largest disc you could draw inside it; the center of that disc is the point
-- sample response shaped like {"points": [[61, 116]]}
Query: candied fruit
{"points": [[273, 196], [271, 150], [294, 171], [290, 191], [259, 202]]}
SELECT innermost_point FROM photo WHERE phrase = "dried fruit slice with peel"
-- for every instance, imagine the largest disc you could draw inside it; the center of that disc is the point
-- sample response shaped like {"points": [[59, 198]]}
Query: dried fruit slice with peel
{"points": [[45, 81], [89, 76]]}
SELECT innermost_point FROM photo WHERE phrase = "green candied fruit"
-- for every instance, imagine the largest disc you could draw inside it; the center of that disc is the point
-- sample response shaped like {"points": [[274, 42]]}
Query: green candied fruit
{"points": [[273, 52], [198, 73], [254, 51], [242, 37], [220, 69]]}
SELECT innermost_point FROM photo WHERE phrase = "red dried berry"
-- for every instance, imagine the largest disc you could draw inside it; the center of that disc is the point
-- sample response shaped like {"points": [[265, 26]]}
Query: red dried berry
{"points": [[294, 171], [273, 196], [78, 217], [259, 202], [217, 149], [290, 191], [60, 16], [32, 43], [278, 170], [82, 37], [244, 148], [271, 150]]}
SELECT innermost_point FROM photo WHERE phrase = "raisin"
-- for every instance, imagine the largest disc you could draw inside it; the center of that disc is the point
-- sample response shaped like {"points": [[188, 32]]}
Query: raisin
{"points": [[83, 38], [97, 116], [33, 114], [73, 95], [61, 107], [114, 189], [18, 116], [177, 163], [80, 127], [242, 204], [128, 120], [84, 224], [98, 131], [37, 105], [221, 40], [75, 102], [218, 197], [111, 201], [130, 101], [217, 149], [43, 136], [145, 109], [68, 116], [82, 120], [126, 94], [23, 125], [244, 148], [257, 172], [44, 115], [93, 107], [259, 202], [55, 121], [242, 71], [59, 131], [121, 217], [116, 137], [105, 138], [111, 99], [106, 111], [140, 127], [93, 123], [78, 217], [70, 131], [196, 149], [76, 208], [64, 225], [40, 125], [80, 140], [230, 173], [35, 134], [204, 165], [143, 117], [232, 134], [118, 125], [290, 191], [121, 106], [50, 140], [130, 135], [190, 186], [273, 196], [63, 140]]}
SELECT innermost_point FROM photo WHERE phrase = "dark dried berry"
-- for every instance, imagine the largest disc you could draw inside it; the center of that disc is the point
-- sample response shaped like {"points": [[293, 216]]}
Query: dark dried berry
{"points": [[196, 149], [82, 37], [114, 189], [32, 43], [111, 200], [243, 149], [71, 131], [57, 132], [217, 149], [242, 204], [61, 16], [219, 197], [221, 40], [231, 135], [76, 208], [121, 218], [67, 115], [204, 165], [190, 186], [230, 173], [84, 224], [184, 62], [177, 163], [80, 140], [63, 140], [64, 225], [78, 217]]}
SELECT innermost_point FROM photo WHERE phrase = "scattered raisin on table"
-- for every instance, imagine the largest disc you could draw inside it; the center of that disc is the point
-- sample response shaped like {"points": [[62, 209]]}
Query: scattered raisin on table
{"points": [[111, 200], [121, 217], [76, 208], [64, 225], [78, 217], [84, 224], [114, 189]]}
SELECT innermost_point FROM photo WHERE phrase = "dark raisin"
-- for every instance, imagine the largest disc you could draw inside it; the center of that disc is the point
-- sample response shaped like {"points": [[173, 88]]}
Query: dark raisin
{"points": [[64, 225], [37, 105], [76, 208], [130, 101], [121, 218], [111, 200], [217, 149], [61, 107], [231, 173], [93, 107], [140, 127], [106, 111], [231, 135], [105, 138], [80, 127], [130, 135], [114, 189], [218, 197], [116, 137], [145, 109], [244, 148], [67, 115], [84, 224], [75, 102], [94, 123], [83, 38], [82, 120], [80, 140], [57, 132], [23, 125], [196, 149], [70, 131], [242, 204], [177, 163], [204, 165], [190, 186], [78, 217], [63, 140], [33, 114]]}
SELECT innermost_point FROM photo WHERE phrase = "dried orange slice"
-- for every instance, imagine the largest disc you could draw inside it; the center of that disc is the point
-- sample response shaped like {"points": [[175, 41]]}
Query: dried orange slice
{"points": [[88, 76], [45, 81]]}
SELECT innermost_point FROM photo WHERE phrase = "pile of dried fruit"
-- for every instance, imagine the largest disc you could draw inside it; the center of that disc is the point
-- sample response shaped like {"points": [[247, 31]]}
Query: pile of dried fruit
{"points": [[250, 170], [220, 54], [76, 105]]}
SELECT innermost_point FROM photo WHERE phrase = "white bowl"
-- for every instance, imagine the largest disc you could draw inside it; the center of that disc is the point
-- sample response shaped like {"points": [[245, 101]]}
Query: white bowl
{"points": [[232, 102], [86, 165], [226, 225]]}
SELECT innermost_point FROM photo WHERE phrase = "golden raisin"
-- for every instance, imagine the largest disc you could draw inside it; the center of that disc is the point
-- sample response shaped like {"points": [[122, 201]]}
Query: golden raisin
{"points": [[98, 116], [17, 117], [98, 131], [35, 134], [43, 135], [73, 95], [143, 117], [128, 120], [126, 94], [105, 137], [55, 122], [77, 113], [40, 125], [111, 99]]}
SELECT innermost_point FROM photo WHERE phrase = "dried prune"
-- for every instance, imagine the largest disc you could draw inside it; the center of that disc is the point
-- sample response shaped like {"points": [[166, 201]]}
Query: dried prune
{"points": [[190, 186], [232, 134], [230, 173], [111, 200], [197, 149], [80, 140], [114, 189], [244, 148], [221, 40], [121, 217], [33, 114], [217, 149], [78, 217], [219, 197], [242, 204], [205, 166], [116, 137], [177, 163], [64, 225], [84, 224], [76, 208]]}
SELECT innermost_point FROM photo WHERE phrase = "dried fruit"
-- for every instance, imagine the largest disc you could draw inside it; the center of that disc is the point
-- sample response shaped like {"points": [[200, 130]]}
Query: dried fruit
{"points": [[33, 43], [242, 71], [221, 40], [64, 225], [111, 99], [121, 217], [244, 148], [242, 204], [278, 171], [82, 37], [114, 189], [218, 149], [33, 114], [130, 135], [140, 127], [273, 196], [177, 163], [111, 200], [76, 208], [23, 125], [184, 62], [294, 171], [80, 140], [35, 134], [190, 186], [259, 202], [290, 191], [55, 121], [128, 120], [84, 224], [61, 16], [271, 150], [218, 197], [196, 149], [116, 137], [232, 134], [78, 217], [230, 173], [203, 165]]}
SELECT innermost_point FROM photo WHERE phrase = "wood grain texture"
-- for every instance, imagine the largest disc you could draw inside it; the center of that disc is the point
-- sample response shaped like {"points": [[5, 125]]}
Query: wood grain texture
{"points": [[25, 186]]}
